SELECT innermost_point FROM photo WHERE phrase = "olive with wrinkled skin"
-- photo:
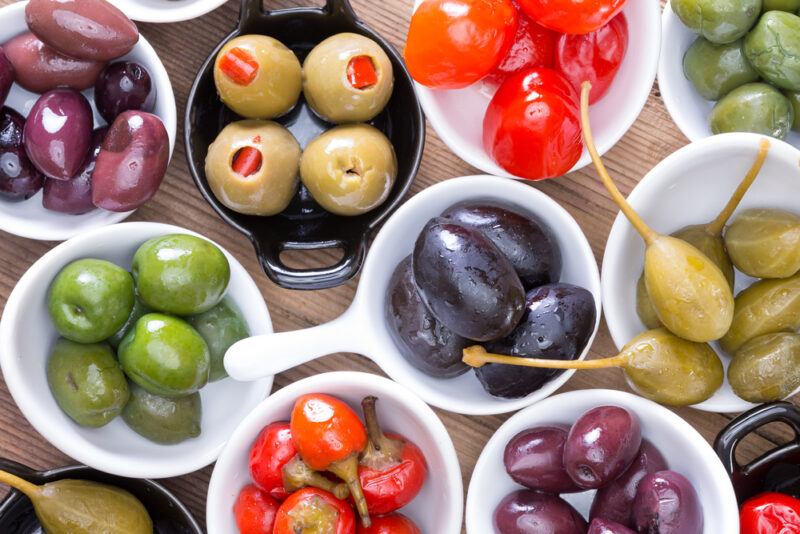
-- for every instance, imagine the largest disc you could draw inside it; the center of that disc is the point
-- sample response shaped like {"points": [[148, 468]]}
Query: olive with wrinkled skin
{"points": [[667, 503], [327, 85], [719, 21], [717, 69], [531, 512], [123, 86], [753, 107], [6, 76], [75, 195], [349, 170], [163, 420], [794, 100], [221, 327], [765, 242], [792, 6], [19, 178], [766, 368], [773, 48]]}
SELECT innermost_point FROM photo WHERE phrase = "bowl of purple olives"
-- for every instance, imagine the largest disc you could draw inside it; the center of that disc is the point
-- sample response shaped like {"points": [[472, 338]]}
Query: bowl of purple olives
{"points": [[87, 118], [599, 462]]}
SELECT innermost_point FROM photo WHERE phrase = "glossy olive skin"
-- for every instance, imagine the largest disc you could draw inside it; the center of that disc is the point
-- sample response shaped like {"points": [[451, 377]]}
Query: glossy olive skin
{"points": [[557, 323], [765, 242], [19, 178], [766, 368], [162, 419], [605, 526], [123, 86], [773, 48], [139, 310], [6, 76], [75, 195], [221, 327], [794, 100], [719, 21], [667, 503], [523, 238], [86, 382], [531, 512], [753, 107], [614, 501], [717, 69], [466, 282], [533, 458], [58, 133], [422, 340]]}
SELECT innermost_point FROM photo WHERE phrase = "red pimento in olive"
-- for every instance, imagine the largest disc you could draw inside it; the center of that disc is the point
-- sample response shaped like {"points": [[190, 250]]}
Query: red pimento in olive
{"points": [[361, 73], [534, 46], [391, 469], [314, 510], [239, 65], [246, 161], [255, 511], [572, 16], [391, 524]]}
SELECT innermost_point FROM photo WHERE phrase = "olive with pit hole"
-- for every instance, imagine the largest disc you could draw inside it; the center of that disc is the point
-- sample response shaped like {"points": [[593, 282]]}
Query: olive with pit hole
{"points": [[163, 420], [252, 167], [6, 76], [347, 78], [667, 503], [766, 368], [123, 86], [74, 196], [19, 178]]}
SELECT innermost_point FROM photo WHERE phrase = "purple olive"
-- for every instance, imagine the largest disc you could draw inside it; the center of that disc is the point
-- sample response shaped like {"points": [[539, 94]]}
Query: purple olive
{"points": [[615, 500], [6, 76], [666, 503], [533, 458], [531, 512], [604, 526], [122, 87], [601, 445], [58, 133], [132, 162], [75, 196], [19, 179]]}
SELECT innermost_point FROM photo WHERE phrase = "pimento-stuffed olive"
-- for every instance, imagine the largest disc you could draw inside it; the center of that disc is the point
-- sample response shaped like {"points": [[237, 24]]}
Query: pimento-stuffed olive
{"points": [[347, 78], [257, 77], [252, 167]]}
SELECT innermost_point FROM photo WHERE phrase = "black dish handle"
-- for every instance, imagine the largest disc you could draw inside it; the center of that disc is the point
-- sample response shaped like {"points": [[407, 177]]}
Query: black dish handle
{"points": [[18, 469], [253, 10]]}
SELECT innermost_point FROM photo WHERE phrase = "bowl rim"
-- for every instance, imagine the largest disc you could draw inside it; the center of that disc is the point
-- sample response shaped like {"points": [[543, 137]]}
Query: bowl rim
{"points": [[191, 9]]}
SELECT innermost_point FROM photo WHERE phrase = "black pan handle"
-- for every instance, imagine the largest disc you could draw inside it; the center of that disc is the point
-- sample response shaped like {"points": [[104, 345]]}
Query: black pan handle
{"points": [[252, 10]]}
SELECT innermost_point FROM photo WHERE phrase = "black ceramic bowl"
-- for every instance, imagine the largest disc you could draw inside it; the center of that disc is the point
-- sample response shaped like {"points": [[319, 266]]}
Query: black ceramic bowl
{"points": [[169, 515], [304, 225]]}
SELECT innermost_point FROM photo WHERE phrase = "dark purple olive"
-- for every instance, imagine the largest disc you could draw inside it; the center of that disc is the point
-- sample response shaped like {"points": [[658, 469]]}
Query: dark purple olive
{"points": [[19, 179], [601, 445], [559, 320], [666, 503], [421, 339], [75, 196], [123, 86], [534, 459], [614, 501], [6, 76], [522, 238], [531, 512], [132, 162], [466, 282], [604, 526]]}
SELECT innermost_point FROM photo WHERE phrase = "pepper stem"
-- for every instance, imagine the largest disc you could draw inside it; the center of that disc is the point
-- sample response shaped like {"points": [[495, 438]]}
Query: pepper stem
{"points": [[347, 470], [297, 474], [29, 489], [476, 356], [382, 451], [374, 431], [647, 233]]}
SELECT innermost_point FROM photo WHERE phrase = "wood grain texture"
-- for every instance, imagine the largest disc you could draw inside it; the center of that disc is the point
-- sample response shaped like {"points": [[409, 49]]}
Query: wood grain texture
{"points": [[183, 47]]}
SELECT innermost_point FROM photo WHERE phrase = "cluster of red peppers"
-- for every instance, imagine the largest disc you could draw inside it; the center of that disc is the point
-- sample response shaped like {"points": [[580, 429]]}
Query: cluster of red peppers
{"points": [[770, 513], [310, 472]]}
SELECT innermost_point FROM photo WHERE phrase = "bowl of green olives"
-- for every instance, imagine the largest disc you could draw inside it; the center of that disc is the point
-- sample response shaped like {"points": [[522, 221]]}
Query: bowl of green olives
{"points": [[124, 372]]}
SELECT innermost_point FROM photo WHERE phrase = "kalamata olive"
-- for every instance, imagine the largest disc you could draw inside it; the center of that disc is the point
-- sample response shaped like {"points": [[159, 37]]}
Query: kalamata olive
{"points": [[123, 86], [614, 501], [58, 133], [525, 240], [533, 458], [667, 503], [19, 179], [6, 76], [132, 162], [75, 196], [466, 282], [531, 512], [604, 526], [558, 321], [601, 445], [422, 340], [83, 29], [39, 68]]}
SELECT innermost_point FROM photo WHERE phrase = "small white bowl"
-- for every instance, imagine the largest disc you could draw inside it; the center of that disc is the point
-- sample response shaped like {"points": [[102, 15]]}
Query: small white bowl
{"points": [[684, 450], [362, 328], [166, 10], [457, 116], [688, 109], [29, 218], [27, 335], [691, 186], [438, 508]]}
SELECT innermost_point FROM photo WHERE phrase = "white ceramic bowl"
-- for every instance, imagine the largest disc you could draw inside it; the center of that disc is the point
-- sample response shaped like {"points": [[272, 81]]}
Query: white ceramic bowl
{"points": [[166, 10], [27, 334], [457, 116], [690, 187], [362, 328], [29, 218], [684, 449], [439, 506], [688, 109]]}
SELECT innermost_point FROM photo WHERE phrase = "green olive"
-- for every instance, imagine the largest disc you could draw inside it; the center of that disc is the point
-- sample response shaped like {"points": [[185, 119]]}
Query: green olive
{"points": [[139, 310], [221, 327], [644, 306], [766, 368], [791, 6], [794, 99], [753, 107], [162, 419], [765, 243], [717, 69], [719, 21], [773, 48]]}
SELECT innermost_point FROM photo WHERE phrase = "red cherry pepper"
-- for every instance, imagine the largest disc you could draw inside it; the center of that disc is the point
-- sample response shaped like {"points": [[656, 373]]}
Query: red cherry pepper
{"points": [[361, 72], [392, 470], [770, 513], [255, 511], [329, 437], [534, 46], [572, 16], [314, 510], [239, 65], [391, 524]]}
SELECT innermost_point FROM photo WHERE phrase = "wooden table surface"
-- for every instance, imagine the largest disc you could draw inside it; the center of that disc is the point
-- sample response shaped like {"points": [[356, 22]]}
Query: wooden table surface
{"points": [[183, 47]]}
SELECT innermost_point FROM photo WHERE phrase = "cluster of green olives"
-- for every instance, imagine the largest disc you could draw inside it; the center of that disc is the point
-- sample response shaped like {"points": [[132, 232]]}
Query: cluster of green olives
{"points": [[142, 344], [747, 58], [253, 165]]}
